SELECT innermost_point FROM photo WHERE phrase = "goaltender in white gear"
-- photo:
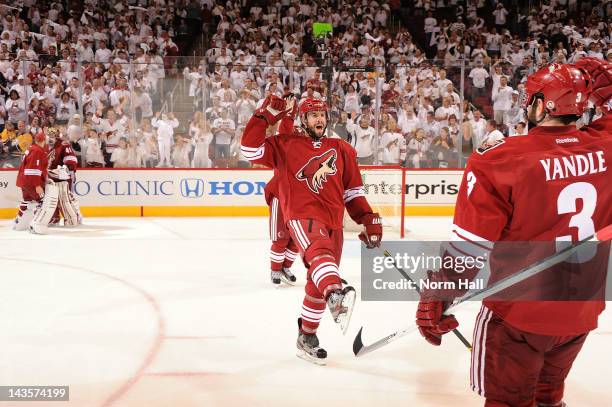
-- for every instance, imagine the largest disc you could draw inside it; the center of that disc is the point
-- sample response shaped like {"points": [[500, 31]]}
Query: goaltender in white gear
{"points": [[57, 194], [45, 209], [68, 205]]}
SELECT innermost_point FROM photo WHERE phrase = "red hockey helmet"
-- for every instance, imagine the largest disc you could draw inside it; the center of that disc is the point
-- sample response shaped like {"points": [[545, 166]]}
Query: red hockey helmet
{"points": [[313, 105], [40, 137], [564, 89]]}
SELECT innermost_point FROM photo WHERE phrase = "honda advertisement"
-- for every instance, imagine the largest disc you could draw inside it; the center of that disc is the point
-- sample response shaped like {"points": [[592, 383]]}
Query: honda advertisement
{"points": [[141, 187]]}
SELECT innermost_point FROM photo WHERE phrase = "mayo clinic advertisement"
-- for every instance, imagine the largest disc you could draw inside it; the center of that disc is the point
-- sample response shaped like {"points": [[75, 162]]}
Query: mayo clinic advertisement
{"points": [[241, 188]]}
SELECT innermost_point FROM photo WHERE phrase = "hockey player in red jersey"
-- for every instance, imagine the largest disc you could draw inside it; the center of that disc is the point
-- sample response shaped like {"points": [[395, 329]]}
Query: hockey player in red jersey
{"points": [[31, 178], [550, 186], [284, 250], [63, 165], [318, 178], [61, 153]]}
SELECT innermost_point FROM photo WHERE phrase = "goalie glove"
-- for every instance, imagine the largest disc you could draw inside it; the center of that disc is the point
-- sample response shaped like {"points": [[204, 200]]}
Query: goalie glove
{"points": [[372, 235], [61, 173], [272, 110]]}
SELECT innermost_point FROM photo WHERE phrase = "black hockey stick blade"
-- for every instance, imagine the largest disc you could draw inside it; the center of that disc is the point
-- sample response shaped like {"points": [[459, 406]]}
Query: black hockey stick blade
{"points": [[359, 349], [358, 343]]}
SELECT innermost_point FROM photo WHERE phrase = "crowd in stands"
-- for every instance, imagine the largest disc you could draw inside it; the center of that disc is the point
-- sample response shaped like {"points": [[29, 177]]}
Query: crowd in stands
{"points": [[89, 70], [436, 84]]}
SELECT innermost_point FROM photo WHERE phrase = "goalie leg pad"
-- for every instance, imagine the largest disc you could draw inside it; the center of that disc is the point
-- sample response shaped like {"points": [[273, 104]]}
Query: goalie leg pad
{"points": [[77, 208], [67, 205], [45, 210], [25, 215]]}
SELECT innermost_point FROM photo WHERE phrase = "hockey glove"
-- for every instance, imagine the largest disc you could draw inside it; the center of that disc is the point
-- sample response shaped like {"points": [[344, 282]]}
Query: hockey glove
{"points": [[432, 323], [60, 173], [291, 104], [430, 319], [272, 110], [601, 76], [372, 235]]}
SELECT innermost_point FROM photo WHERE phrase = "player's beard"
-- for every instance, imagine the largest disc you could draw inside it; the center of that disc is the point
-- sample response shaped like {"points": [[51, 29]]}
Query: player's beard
{"points": [[531, 117], [317, 131]]}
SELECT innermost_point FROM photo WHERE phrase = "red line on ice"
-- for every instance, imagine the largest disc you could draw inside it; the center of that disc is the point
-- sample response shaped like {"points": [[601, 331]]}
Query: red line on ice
{"points": [[159, 336]]}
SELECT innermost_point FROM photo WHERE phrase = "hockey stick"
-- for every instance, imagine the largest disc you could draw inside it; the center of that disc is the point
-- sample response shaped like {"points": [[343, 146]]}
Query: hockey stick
{"points": [[458, 334], [603, 235]]}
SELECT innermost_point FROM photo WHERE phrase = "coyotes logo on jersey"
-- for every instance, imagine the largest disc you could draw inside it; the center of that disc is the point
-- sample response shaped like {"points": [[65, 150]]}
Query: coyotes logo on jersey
{"points": [[316, 170]]}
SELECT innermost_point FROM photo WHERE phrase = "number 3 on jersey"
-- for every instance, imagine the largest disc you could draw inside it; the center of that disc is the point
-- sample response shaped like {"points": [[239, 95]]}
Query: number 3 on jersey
{"points": [[471, 180], [583, 221]]}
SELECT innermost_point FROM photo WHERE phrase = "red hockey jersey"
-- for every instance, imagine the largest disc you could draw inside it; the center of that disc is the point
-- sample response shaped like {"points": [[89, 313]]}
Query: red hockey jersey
{"points": [[33, 169], [62, 154], [315, 178], [271, 190], [552, 185]]}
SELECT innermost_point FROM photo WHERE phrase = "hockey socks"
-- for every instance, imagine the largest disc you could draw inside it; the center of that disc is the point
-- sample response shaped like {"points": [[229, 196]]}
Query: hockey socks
{"points": [[313, 308], [282, 255], [324, 283]]}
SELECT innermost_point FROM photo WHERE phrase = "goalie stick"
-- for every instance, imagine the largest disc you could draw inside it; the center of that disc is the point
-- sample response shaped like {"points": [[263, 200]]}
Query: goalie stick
{"points": [[458, 334], [603, 235]]}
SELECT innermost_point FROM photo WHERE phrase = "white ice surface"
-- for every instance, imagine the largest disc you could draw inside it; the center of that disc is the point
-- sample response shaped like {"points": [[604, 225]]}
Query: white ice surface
{"points": [[180, 312]]}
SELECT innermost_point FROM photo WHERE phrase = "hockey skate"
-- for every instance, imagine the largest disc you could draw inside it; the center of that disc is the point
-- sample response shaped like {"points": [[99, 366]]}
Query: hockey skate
{"points": [[287, 276], [341, 304], [308, 347], [275, 277]]}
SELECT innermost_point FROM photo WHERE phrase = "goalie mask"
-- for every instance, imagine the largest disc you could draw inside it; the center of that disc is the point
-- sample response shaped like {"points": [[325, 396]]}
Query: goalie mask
{"points": [[314, 117], [53, 135]]}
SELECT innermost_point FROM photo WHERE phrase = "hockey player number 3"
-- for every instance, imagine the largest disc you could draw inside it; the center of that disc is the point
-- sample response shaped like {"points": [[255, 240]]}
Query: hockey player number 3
{"points": [[471, 180], [578, 97], [566, 203]]}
